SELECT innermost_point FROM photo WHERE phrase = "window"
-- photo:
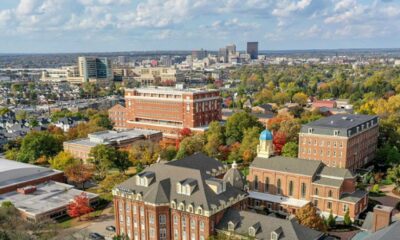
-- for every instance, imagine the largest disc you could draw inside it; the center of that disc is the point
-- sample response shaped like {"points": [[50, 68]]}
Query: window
{"points": [[176, 237], [335, 132], [329, 205], [310, 130], [345, 207], [141, 211], [134, 210], [231, 226], [201, 226], [290, 188], [278, 186], [183, 222], [175, 219], [163, 233], [255, 183], [330, 193], [152, 232], [151, 219], [252, 232], [192, 236], [162, 219], [192, 224], [316, 203], [266, 184], [303, 190], [274, 236], [316, 192]]}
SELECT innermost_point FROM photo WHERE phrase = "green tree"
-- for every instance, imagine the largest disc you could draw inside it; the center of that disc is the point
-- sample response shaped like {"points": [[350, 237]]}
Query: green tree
{"points": [[290, 149], [122, 162], [389, 154], [394, 175], [300, 98], [347, 219], [248, 148], [4, 111], [237, 123], [38, 144], [168, 153], [103, 158], [62, 160], [331, 222]]}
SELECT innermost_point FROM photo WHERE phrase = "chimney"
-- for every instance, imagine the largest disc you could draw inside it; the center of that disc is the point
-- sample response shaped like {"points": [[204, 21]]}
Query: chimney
{"points": [[26, 190], [382, 217]]}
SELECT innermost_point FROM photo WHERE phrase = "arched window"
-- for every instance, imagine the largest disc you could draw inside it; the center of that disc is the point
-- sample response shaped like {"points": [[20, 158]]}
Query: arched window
{"points": [[316, 192], [330, 193], [278, 186], [303, 190], [266, 184], [255, 183], [290, 188]]}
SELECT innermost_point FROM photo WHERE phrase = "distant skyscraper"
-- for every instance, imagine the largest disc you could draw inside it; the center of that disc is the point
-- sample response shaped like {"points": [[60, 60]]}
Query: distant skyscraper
{"points": [[92, 68], [231, 49], [252, 49], [223, 53], [199, 54], [166, 61]]}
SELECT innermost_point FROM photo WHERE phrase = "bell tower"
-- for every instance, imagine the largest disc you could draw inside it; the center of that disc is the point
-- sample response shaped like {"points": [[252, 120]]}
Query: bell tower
{"points": [[265, 149]]}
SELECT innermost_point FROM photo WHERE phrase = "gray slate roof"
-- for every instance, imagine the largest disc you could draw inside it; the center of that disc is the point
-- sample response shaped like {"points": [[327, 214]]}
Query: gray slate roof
{"points": [[288, 229], [353, 197], [328, 181], [163, 188], [391, 232], [287, 164], [336, 172], [346, 124]]}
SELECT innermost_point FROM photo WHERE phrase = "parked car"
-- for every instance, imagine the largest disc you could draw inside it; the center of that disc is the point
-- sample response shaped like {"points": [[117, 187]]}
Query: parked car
{"points": [[110, 228], [96, 236]]}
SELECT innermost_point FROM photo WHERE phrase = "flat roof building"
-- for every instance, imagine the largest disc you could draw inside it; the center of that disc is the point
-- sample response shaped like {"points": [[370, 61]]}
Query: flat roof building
{"points": [[15, 175], [45, 200], [80, 148]]}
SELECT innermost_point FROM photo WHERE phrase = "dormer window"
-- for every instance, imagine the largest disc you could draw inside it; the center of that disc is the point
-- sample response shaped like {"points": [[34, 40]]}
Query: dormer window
{"points": [[252, 232], [336, 132], [200, 210], [144, 179], [186, 187], [310, 130], [276, 233], [231, 226], [274, 236], [217, 185]]}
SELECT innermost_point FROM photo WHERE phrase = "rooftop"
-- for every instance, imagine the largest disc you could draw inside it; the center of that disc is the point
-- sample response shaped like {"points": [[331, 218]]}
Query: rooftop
{"points": [[48, 196], [171, 90], [13, 172]]}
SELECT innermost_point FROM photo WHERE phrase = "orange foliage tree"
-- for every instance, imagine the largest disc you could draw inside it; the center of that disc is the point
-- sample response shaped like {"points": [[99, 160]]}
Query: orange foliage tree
{"points": [[79, 206], [279, 140], [79, 173]]}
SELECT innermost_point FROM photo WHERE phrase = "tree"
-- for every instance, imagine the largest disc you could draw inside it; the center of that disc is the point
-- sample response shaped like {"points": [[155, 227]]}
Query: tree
{"points": [[103, 158], [347, 219], [331, 222], [79, 173], [4, 111], [215, 138], [234, 153], [168, 153], [300, 98], [290, 149], [79, 206], [248, 148], [237, 123], [144, 152], [122, 162], [36, 144], [309, 217], [279, 140], [62, 160], [388, 154], [190, 145], [394, 175]]}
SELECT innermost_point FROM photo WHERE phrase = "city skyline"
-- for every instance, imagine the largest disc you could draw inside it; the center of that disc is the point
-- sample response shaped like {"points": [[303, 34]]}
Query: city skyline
{"points": [[48, 26]]}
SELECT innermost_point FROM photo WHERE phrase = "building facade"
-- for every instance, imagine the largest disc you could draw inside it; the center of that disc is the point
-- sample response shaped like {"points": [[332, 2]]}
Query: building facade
{"points": [[283, 185], [188, 204], [343, 141], [95, 69], [168, 110]]}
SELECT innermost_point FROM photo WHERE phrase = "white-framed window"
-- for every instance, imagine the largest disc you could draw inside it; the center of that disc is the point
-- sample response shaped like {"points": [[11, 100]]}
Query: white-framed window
{"points": [[152, 232], [201, 225], [151, 219], [175, 219], [176, 234], [183, 220], [163, 233], [162, 219], [310, 130], [192, 224], [336, 132]]}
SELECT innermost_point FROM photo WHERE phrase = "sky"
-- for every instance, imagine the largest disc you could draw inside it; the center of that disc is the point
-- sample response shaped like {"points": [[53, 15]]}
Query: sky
{"points": [[55, 26]]}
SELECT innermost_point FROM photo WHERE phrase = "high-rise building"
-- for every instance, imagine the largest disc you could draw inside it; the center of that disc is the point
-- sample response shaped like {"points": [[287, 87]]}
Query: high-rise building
{"points": [[342, 140], [252, 49], [169, 110], [166, 61], [223, 55], [93, 69], [199, 54], [231, 49]]}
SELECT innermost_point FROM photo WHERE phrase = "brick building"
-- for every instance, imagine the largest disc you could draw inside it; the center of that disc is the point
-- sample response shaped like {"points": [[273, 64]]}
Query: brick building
{"points": [[168, 110], [343, 141], [283, 185], [80, 148], [188, 204]]}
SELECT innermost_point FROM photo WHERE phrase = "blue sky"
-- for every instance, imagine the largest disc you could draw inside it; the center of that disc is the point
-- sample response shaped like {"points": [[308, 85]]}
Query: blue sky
{"points": [[31, 26]]}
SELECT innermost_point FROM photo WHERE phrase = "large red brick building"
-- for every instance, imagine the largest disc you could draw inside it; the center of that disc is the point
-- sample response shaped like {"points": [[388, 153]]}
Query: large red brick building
{"points": [[188, 204], [168, 110], [343, 141]]}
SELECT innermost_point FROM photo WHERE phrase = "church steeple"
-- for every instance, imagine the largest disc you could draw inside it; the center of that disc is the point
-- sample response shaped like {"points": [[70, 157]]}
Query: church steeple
{"points": [[265, 149]]}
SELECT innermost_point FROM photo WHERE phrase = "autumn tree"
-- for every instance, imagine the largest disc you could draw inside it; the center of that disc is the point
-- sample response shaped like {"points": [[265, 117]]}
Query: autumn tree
{"points": [[300, 98], [79, 173], [279, 140], [191, 145], [62, 160], [79, 206], [234, 153], [144, 152], [248, 148], [308, 216], [215, 138]]}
